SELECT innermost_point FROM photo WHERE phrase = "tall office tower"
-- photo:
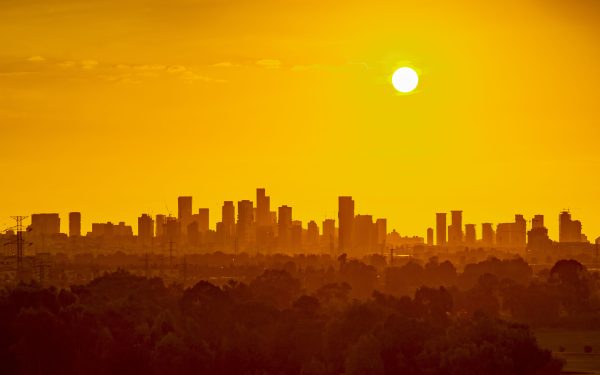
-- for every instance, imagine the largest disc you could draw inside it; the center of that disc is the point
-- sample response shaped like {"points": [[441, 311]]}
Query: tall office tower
{"points": [[228, 220], [512, 235], [487, 234], [284, 227], [296, 235], [245, 222], [203, 220], [264, 228], [184, 208], [263, 208], [363, 233], [346, 220], [470, 235], [569, 230], [455, 232], [503, 234], [381, 232], [537, 237], [74, 224], [312, 235], [45, 224], [160, 222], [328, 237], [172, 230], [519, 235], [430, 236], [440, 229], [145, 229], [537, 222], [184, 213]]}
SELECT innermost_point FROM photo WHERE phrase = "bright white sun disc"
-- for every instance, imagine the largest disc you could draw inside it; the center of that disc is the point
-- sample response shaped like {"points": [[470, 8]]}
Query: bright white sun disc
{"points": [[405, 79]]}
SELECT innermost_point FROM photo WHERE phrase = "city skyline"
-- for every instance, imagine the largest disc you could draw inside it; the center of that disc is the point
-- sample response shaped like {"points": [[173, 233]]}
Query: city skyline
{"points": [[448, 228]]}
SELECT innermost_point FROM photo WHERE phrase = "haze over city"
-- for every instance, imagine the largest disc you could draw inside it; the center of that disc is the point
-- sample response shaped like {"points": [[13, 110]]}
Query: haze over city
{"points": [[300, 187]]}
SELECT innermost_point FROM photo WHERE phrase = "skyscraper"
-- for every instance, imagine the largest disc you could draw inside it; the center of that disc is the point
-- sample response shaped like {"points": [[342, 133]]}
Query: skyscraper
{"points": [[228, 220], [284, 227], [363, 233], [145, 229], [328, 238], [519, 237], [74, 224], [487, 234], [203, 220], [263, 208], [245, 222], [381, 232], [455, 232], [537, 221], [430, 236], [346, 220], [312, 234], [160, 225], [569, 230], [537, 237], [440, 228], [512, 235], [470, 235], [45, 224], [184, 208]]}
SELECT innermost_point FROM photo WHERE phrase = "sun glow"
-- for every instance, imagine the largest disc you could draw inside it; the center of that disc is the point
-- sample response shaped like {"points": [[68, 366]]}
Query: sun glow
{"points": [[405, 80]]}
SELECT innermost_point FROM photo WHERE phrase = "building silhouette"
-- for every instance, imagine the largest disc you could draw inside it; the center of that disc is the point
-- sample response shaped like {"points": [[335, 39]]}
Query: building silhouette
{"points": [[537, 237], [145, 229], [470, 235], [430, 236], [364, 236], [455, 232], [74, 224], [569, 230], [440, 228], [45, 224], [160, 223], [228, 220], [245, 222], [487, 234], [284, 227], [346, 223], [312, 234], [512, 235]]}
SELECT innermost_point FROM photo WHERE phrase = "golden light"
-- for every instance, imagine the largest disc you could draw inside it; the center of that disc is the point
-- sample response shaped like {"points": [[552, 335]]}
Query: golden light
{"points": [[405, 79]]}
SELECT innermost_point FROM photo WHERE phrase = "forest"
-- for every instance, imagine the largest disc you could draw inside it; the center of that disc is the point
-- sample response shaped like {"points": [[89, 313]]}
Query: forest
{"points": [[419, 319]]}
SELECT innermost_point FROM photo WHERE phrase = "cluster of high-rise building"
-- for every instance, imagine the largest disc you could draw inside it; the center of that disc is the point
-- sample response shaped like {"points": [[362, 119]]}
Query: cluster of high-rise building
{"points": [[251, 226], [512, 235], [255, 226]]}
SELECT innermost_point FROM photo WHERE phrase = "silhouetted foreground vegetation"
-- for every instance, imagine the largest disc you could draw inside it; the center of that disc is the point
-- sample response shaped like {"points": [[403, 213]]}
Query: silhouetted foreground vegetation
{"points": [[125, 324]]}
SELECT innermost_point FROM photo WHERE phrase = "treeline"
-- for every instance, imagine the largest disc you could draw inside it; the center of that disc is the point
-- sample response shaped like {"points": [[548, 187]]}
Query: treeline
{"points": [[126, 324], [565, 296]]}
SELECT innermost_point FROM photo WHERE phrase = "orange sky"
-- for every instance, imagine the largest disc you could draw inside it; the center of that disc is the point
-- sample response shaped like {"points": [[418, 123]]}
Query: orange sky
{"points": [[115, 108]]}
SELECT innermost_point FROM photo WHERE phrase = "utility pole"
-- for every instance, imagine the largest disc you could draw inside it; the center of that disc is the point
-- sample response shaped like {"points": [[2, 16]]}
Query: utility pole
{"points": [[19, 243], [43, 265]]}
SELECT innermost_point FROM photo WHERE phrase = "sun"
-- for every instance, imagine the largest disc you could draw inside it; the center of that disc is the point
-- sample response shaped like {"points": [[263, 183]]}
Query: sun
{"points": [[405, 80]]}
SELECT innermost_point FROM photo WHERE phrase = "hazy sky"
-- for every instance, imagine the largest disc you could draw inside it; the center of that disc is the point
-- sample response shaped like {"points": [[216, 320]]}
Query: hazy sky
{"points": [[115, 108]]}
